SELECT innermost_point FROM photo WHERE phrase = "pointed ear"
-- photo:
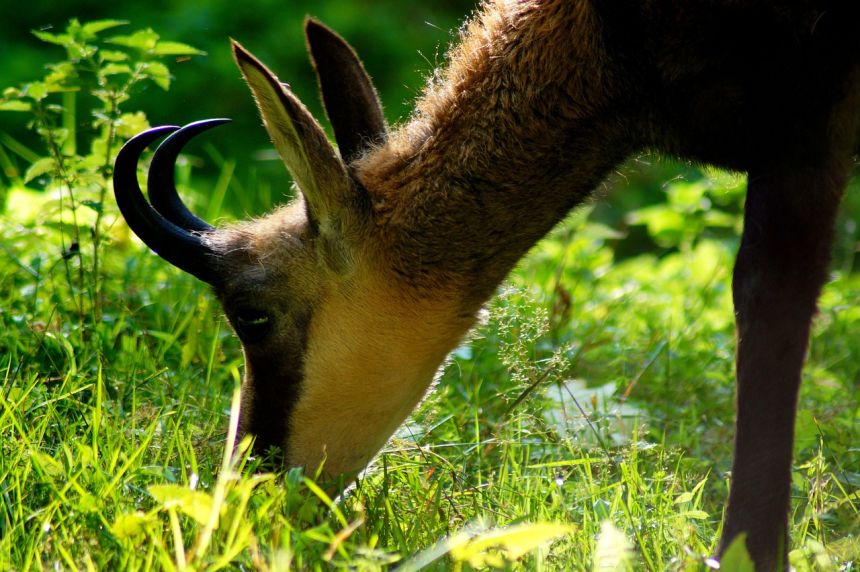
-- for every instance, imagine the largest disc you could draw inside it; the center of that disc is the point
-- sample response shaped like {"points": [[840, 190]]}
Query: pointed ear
{"points": [[301, 143], [348, 95]]}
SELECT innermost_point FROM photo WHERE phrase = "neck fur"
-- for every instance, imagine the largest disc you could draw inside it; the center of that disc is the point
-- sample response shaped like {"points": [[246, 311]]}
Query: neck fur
{"points": [[502, 144]]}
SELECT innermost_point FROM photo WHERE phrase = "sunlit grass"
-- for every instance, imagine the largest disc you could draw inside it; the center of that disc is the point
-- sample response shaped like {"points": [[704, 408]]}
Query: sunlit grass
{"points": [[116, 437]]}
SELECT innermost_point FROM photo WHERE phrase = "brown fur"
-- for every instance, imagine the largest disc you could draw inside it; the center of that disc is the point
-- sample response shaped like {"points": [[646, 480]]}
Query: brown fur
{"points": [[367, 283]]}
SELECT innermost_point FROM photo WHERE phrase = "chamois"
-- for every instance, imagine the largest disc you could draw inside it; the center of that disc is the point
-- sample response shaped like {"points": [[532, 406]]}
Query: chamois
{"points": [[348, 299]]}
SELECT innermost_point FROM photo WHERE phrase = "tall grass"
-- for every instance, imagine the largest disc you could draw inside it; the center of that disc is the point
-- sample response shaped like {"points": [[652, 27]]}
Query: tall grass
{"points": [[585, 425]]}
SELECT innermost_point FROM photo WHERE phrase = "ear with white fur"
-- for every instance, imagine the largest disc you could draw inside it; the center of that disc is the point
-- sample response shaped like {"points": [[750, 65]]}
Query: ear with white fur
{"points": [[302, 144]]}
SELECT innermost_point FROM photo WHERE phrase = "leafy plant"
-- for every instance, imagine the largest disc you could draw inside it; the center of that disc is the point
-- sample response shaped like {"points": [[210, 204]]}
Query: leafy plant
{"points": [[97, 78], [694, 209]]}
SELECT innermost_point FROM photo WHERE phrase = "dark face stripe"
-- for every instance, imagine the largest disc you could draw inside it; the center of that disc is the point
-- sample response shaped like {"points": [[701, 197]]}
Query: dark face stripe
{"points": [[269, 393]]}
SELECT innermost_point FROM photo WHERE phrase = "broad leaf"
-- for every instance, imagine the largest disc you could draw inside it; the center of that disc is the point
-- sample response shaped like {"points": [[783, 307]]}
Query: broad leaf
{"points": [[196, 504], [113, 56], [41, 167], [59, 39], [96, 26], [15, 105], [144, 40], [157, 72], [736, 557], [37, 90], [176, 49], [113, 69], [130, 525]]}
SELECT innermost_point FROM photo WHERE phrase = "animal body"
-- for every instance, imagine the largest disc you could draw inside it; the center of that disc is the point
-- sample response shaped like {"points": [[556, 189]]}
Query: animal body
{"points": [[348, 300]]}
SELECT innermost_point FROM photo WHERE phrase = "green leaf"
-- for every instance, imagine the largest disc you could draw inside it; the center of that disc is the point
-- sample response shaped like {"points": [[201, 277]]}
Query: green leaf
{"points": [[807, 431], [695, 515], [15, 105], [659, 219], [719, 218], [88, 503], [60, 73], [58, 39], [196, 504], [39, 168], [113, 56], [736, 557], [144, 40], [511, 543], [96, 26], [176, 49], [37, 90], [131, 525], [495, 547], [113, 69], [130, 124], [58, 136], [157, 72], [78, 51], [687, 196], [47, 464]]}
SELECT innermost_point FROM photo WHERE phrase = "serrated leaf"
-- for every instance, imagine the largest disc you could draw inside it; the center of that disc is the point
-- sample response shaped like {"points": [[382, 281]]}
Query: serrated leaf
{"points": [[196, 504], [130, 124], [58, 136], [78, 51], [15, 105], [157, 72], [60, 72], [73, 27], [113, 69], [37, 90], [144, 40], [39, 168], [113, 56], [96, 26], [58, 39], [176, 49]]}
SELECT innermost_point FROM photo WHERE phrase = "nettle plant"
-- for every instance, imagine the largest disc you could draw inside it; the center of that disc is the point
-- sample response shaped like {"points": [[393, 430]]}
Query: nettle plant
{"points": [[98, 76]]}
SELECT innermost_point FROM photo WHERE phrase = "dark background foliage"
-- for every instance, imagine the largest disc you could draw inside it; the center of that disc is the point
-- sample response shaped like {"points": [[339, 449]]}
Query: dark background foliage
{"points": [[400, 43]]}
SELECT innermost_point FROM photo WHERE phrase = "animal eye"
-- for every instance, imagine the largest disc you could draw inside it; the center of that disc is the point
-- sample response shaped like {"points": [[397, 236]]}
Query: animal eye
{"points": [[252, 325]]}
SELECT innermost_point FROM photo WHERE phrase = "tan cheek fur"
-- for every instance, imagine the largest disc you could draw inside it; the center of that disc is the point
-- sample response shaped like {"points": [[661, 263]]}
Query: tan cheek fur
{"points": [[369, 361]]}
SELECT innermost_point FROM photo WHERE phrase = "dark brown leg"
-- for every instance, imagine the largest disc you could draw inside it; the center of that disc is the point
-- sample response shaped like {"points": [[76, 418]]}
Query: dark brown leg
{"points": [[780, 268]]}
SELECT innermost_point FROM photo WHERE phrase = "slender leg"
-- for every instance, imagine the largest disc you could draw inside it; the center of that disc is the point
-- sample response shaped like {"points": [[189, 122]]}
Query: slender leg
{"points": [[780, 268]]}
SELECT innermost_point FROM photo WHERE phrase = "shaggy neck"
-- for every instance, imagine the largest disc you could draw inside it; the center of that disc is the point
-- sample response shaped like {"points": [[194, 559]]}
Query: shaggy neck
{"points": [[498, 151]]}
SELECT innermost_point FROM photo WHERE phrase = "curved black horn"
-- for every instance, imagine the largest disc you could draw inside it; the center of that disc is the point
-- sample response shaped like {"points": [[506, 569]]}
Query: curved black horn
{"points": [[184, 249], [160, 183]]}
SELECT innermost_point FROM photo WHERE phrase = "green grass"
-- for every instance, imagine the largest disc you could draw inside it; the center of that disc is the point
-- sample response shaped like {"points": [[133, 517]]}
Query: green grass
{"points": [[586, 425], [116, 432]]}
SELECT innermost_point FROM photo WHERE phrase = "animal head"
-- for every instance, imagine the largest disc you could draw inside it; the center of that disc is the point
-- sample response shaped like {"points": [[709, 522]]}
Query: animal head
{"points": [[335, 357]]}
